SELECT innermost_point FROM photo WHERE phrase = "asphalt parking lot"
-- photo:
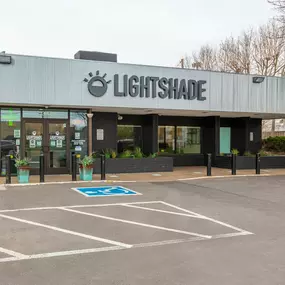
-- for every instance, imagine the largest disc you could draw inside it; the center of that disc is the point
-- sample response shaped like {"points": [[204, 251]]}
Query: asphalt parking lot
{"points": [[209, 231]]}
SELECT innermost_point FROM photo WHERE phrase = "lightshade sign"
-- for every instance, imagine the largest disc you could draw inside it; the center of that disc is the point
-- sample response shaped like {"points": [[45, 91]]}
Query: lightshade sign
{"points": [[147, 87]]}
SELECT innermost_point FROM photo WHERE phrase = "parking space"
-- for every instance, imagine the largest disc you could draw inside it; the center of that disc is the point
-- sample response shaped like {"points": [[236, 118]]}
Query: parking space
{"points": [[190, 232], [78, 229]]}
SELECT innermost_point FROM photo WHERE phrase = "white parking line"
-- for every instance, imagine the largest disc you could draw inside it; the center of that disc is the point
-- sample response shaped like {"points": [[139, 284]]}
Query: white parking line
{"points": [[67, 231], [12, 253], [136, 223], [207, 218], [77, 206], [160, 211]]}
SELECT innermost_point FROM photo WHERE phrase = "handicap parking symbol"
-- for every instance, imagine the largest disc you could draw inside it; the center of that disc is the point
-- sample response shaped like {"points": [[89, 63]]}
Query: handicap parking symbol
{"points": [[101, 191]]}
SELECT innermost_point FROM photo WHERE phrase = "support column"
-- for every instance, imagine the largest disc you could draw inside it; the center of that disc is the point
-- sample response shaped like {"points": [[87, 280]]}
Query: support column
{"points": [[150, 134], [211, 136], [90, 116]]}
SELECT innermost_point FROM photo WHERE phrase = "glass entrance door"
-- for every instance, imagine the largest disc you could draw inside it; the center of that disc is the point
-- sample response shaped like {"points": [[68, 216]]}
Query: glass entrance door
{"points": [[33, 143], [56, 148], [51, 138]]}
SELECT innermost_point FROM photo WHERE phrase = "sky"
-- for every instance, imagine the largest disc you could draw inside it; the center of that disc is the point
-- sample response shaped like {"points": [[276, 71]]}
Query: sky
{"points": [[152, 32]]}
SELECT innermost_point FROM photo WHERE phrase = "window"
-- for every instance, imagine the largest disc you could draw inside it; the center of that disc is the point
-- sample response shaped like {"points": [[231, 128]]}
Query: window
{"points": [[45, 114], [179, 139], [10, 135], [225, 140], [188, 140], [78, 132], [129, 137], [166, 139]]}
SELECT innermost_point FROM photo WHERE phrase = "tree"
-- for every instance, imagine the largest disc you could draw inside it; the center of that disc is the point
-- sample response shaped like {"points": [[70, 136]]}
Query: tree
{"points": [[279, 6], [269, 50], [205, 58]]}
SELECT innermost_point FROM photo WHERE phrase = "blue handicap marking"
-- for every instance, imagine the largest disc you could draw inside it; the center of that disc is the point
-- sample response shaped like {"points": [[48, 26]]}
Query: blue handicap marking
{"points": [[105, 191]]}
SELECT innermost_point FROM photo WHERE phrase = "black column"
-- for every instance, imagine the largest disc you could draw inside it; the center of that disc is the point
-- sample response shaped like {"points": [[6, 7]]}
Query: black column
{"points": [[150, 134], [107, 122], [254, 132], [211, 136], [246, 134]]}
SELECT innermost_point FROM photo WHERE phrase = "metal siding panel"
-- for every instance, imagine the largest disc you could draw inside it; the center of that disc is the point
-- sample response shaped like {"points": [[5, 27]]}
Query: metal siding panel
{"points": [[48, 81]]}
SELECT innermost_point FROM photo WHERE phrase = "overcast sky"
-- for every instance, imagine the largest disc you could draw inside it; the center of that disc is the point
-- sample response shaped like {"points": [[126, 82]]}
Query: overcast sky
{"points": [[155, 32]]}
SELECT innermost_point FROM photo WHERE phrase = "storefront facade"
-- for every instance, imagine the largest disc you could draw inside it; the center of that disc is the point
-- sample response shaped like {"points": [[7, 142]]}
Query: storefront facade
{"points": [[85, 105]]}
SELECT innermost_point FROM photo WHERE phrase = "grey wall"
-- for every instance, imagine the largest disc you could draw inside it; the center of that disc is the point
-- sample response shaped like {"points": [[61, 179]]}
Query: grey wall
{"points": [[59, 82]]}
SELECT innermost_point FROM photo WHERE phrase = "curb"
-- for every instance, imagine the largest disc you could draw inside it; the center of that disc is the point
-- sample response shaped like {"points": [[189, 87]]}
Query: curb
{"points": [[143, 181]]}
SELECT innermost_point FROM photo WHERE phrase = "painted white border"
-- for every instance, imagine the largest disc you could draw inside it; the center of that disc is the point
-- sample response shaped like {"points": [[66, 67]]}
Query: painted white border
{"points": [[126, 195], [16, 256]]}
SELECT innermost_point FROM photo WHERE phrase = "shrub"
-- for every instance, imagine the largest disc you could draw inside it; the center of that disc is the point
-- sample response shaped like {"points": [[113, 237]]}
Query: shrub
{"points": [[87, 161], [276, 144], [126, 154], [138, 153], [113, 154], [235, 151], [248, 153]]}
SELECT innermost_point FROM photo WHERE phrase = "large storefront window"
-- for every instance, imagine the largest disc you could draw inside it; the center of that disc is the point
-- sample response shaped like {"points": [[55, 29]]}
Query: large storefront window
{"points": [[129, 137], [45, 113], [179, 139], [10, 134], [78, 132], [166, 139], [188, 140]]}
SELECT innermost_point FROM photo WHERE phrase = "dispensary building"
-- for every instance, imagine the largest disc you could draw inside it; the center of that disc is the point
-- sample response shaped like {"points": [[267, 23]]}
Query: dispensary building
{"points": [[92, 103]]}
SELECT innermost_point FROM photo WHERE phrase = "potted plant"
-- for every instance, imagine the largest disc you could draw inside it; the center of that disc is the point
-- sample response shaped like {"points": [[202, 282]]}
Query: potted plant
{"points": [[23, 169], [86, 168]]}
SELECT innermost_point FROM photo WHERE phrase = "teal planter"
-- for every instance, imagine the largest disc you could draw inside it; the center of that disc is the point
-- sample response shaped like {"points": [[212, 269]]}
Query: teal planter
{"points": [[86, 174], [23, 175]]}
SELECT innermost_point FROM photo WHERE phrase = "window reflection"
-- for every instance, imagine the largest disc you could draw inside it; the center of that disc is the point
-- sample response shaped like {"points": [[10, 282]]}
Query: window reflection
{"points": [[78, 132], [10, 135], [129, 137]]}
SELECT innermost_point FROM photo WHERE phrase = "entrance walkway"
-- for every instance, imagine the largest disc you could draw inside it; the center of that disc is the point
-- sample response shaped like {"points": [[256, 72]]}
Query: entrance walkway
{"points": [[177, 174]]}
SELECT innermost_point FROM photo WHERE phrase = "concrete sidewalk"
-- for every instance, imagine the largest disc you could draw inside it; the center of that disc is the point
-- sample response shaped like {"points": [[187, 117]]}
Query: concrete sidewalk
{"points": [[177, 174]]}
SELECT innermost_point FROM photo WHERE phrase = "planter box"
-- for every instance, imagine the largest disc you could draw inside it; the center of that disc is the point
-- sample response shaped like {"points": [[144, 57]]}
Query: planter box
{"points": [[186, 159], [135, 165], [246, 162]]}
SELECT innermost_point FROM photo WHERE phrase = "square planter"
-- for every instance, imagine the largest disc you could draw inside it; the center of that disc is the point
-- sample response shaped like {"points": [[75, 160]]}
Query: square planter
{"points": [[23, 175], [135, 165], [86, 173]]}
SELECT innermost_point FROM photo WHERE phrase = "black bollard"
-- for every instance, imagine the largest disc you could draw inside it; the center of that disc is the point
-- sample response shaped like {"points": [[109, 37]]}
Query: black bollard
{"points": [[257, 163], [8, 169], [209, 164], [42, 170], [103, 167], [234, 164], [74, 167]]}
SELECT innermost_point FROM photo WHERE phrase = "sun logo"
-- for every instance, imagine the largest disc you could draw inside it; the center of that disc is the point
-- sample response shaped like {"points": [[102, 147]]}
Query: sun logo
{"points": [[97, 85]]}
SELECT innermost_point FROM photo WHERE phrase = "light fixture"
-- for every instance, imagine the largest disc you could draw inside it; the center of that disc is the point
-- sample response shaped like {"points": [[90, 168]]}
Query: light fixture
{"points": [[5, 59], [258, 79], [89, 115], [120, 118]]}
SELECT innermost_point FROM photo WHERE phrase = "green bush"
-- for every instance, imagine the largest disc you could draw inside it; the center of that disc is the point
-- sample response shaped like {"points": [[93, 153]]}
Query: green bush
{"points": [[126, 154], [276, 144], [138, 153], [248, 153], [235, 151]]}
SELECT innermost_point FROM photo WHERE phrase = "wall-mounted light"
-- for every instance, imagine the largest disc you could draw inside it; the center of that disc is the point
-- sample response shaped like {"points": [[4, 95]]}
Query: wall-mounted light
{"points": [[258, 79], [5, 59], [120, 118], [89, 115]]}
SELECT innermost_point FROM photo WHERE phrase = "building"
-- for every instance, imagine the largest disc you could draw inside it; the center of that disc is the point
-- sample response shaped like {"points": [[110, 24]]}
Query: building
{"points": [[90, 103]]}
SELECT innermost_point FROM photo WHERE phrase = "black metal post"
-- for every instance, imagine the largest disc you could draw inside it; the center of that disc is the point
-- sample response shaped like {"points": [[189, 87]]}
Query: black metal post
{"points": [[257, 165], [8, 169], [209, 164], [103, 167], [42, 169], [234, 164], [74, 167]]}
